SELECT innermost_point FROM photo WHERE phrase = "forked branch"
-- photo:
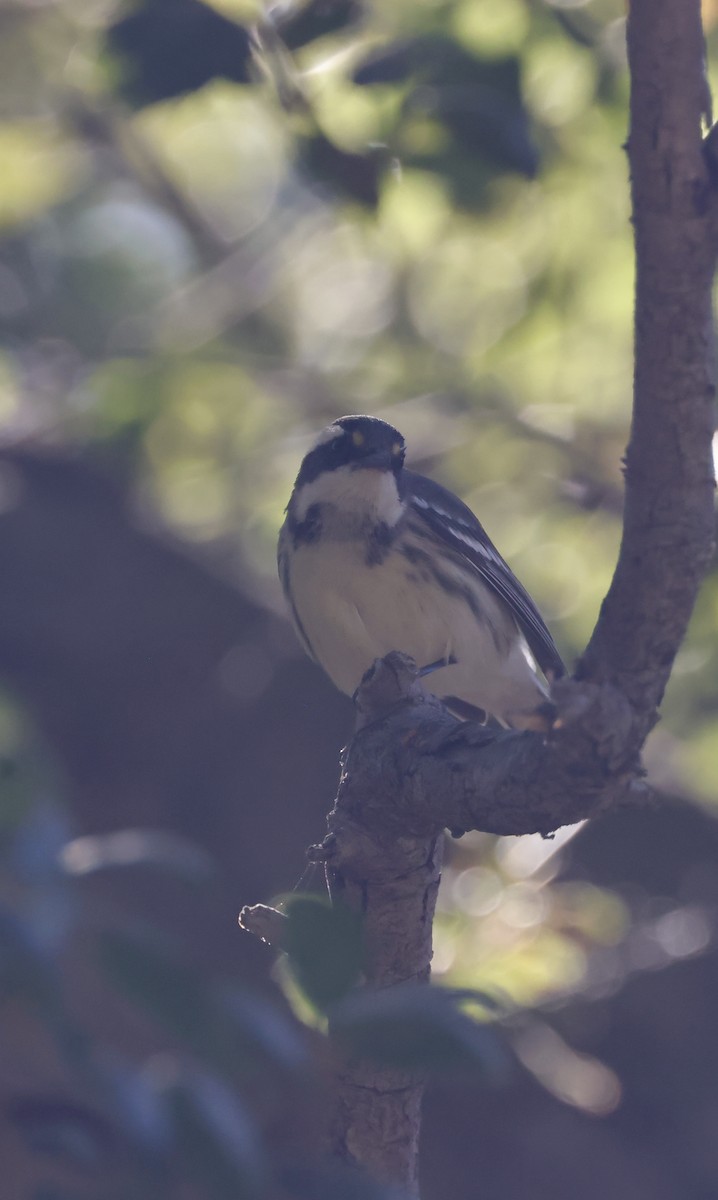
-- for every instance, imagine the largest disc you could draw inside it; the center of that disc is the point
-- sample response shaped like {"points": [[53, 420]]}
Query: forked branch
{"points": [[412, 769]]}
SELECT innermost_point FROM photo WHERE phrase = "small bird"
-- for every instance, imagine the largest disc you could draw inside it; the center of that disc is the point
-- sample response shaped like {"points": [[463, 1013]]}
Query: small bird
{"points": [[375, 558]]}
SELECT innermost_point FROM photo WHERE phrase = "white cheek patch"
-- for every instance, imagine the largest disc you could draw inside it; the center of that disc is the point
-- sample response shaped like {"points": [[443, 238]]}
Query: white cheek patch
{"points": [[389, 506], [359, 492]]}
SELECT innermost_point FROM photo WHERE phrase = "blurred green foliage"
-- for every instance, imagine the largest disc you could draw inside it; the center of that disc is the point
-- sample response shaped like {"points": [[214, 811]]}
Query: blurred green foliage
{"points": [[191, 1112], [222, 227]]}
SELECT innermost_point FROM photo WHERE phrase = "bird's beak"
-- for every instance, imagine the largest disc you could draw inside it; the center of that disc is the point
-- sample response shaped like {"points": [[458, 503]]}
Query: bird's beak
{"points": [[378, 460]]}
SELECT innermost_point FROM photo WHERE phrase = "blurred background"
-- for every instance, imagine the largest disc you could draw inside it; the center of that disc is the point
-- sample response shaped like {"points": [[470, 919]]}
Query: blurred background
{"points": [[221, 227]]}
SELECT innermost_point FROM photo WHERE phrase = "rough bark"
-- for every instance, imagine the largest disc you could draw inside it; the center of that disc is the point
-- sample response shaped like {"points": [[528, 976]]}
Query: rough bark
{"points": [[394, 882], [668, 514]]}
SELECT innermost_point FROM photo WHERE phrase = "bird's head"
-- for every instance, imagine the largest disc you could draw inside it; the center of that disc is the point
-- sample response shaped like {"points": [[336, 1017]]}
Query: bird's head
{"points": [[353, 443]]}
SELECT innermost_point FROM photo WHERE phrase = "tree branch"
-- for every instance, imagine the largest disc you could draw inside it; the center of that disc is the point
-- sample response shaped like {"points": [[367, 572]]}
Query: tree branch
{"points": [[415, 769], [668, 518], [412, 768]]}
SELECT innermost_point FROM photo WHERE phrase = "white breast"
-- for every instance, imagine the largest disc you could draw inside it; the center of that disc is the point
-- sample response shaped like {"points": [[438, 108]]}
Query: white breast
{"points": [[353, 613], [347, 494]]}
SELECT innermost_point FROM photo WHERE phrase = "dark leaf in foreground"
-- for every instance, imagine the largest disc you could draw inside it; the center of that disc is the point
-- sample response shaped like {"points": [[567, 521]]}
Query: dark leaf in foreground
{"points": [[61, 1129], [168, 990], [324, 945], [418, 1027], [216, 1137], [27, 966], [259, 1028], [229, 1029]]}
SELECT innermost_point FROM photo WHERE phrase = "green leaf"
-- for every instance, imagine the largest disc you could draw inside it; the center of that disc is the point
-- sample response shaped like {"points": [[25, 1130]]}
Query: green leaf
{"points": [[216, 1137], [259, 1028], [129, 1093], [72, 1134], [27, 965], [325, 948], [227, 1028], [171, 992], [416, 1026]]}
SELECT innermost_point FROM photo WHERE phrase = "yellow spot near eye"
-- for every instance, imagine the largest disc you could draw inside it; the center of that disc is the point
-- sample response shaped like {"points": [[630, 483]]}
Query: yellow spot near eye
{"points": [[397, 448], [358, 438]]}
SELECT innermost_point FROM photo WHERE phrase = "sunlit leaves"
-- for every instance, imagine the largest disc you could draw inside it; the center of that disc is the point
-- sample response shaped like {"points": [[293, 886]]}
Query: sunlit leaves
{"points": [[40, 168], [219, 1145], [225, 150]]}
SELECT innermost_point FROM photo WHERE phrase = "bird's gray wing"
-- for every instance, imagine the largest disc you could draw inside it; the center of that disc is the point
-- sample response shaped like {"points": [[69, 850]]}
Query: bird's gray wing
{"points": [[456, 526]]}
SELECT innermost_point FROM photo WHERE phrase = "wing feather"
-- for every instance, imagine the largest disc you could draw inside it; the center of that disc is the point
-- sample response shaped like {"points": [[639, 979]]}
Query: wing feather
{"points": [[458, 528]]}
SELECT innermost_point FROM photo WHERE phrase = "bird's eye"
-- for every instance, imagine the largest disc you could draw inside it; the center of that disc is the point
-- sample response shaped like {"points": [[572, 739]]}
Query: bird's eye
{"points": [[358, 437]]}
